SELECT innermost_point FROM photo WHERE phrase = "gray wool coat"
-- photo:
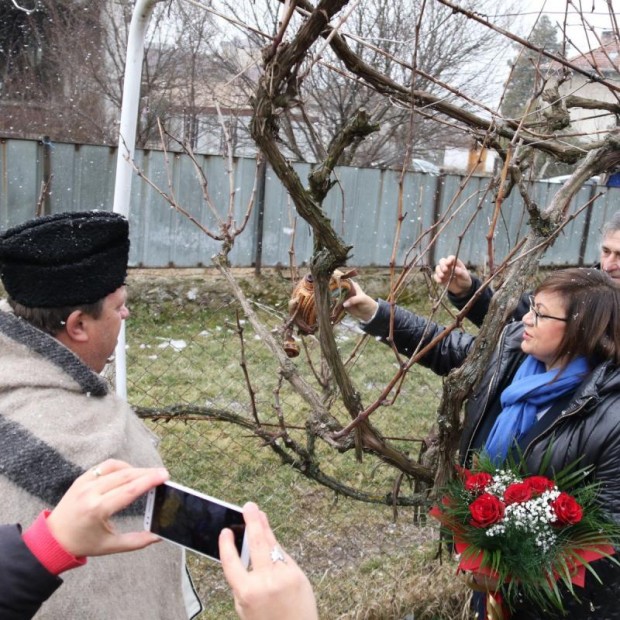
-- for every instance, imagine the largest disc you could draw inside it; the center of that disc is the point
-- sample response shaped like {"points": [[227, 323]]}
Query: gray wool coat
{"points": [[58, 419]]}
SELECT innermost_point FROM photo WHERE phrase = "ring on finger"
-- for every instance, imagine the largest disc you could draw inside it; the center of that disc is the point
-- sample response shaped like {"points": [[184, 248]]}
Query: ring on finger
{"points": [[97, 472], [277, 555]]}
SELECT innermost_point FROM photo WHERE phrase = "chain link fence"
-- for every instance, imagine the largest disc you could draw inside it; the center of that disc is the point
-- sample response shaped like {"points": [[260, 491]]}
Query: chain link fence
{"points": [[202, 379]]}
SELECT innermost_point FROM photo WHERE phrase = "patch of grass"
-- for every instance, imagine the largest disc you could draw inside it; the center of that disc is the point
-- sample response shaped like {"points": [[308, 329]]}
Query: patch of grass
{"points": [[184, 349]]}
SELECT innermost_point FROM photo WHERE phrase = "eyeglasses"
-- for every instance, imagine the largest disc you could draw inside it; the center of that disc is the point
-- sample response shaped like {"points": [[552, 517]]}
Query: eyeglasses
{"points": [[538, 315]]}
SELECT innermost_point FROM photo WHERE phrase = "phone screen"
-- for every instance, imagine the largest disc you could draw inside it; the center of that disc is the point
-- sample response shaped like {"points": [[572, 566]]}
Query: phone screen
{"points": [[193, 519]]}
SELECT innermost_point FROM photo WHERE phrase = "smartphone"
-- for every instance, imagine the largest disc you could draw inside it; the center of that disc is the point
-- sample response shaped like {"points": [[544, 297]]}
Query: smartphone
{"points": [[194, 520]]}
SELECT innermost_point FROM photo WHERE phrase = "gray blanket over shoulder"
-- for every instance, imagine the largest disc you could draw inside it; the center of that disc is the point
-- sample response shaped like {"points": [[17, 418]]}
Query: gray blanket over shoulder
{"points": [[58, 419]]}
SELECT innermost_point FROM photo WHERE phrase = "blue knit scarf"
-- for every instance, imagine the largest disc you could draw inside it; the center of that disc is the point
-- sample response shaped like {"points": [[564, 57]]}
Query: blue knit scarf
{"points": [[531, 390]]}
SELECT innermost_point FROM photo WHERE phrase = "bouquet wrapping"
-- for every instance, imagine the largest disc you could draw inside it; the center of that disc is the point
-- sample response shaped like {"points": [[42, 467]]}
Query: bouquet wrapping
{"points": [[524, 535]]}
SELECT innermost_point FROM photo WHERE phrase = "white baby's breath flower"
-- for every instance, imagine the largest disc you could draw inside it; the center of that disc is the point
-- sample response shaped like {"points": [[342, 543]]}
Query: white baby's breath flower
{"points": [[501, 481]]}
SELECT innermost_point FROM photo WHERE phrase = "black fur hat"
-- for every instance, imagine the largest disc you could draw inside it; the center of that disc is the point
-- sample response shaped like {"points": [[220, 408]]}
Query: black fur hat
{"points": [[68, 259]]}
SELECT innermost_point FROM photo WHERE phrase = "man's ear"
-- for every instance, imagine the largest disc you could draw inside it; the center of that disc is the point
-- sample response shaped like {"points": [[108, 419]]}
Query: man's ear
{"points": [[76, 326]]}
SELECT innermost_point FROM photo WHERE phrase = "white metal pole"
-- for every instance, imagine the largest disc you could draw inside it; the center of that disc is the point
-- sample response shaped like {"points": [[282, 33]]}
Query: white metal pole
{"points": [[127, 144]]}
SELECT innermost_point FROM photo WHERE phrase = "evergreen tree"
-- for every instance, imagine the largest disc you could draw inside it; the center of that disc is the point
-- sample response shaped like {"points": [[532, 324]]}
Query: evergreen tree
{"points": [[523, 79]]}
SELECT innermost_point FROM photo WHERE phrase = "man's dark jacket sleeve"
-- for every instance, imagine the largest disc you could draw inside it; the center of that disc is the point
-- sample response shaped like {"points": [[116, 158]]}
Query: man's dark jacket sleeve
{"points": [[24, 583], [480, 307]]}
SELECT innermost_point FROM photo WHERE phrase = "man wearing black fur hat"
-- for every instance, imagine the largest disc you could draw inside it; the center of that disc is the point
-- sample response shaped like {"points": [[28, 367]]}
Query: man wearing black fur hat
{"points": [[65, 279]]}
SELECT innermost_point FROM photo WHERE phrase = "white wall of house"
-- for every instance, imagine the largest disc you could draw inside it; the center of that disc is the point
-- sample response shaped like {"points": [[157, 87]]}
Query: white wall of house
{"points": [[594, 124], [463, 160]]}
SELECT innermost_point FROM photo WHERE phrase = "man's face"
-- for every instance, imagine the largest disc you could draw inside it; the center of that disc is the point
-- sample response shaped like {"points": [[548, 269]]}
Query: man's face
{"points": [[104, 330], [610, 254]]}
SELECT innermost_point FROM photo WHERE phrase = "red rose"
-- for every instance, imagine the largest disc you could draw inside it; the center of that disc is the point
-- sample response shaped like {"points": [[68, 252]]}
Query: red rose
{"points": [[478, 482], [539, 484], [566, 509], [517, 492], [486, 510]]}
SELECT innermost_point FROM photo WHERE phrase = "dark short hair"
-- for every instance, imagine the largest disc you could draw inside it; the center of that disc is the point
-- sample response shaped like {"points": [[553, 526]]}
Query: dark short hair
{"points": [[592, 306], [52, 320]]}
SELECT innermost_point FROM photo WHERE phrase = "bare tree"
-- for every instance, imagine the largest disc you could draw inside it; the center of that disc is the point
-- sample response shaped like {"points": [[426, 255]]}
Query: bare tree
{"points": [[296, 50], [63, 65], [44, 91], [392, 38], [312, 48], [288, 61]]}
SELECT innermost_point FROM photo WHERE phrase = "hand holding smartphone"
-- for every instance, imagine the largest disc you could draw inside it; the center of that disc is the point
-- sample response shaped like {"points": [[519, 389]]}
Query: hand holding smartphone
{"points": [[194, 520]]}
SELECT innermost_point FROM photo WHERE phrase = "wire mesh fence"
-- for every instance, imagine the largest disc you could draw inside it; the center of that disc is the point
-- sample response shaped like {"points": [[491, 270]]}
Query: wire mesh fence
{"points": [[203, 380]]}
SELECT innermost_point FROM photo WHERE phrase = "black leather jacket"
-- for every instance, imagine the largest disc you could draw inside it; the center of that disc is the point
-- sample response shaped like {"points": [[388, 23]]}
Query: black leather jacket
{"points": [[480, 307], [585, 424], [24, 583]]}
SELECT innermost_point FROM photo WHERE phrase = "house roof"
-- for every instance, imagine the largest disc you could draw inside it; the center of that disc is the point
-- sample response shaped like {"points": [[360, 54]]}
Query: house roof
{"points": [[604, 59]]}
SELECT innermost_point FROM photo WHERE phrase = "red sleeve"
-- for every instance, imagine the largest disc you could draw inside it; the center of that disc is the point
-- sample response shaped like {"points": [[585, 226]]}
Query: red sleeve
{"points": [[47, 549]]}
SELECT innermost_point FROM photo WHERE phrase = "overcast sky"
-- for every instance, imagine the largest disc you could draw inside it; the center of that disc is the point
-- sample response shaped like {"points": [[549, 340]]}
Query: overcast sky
{"points": [[523, 15], [596, 14]]}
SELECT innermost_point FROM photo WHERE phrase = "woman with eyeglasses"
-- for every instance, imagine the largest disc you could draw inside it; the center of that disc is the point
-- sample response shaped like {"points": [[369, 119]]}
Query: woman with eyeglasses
{"points": [[553, 381]]}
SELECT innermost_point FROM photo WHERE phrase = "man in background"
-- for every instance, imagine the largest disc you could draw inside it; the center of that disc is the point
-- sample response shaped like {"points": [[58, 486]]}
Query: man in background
{"points": [[462, 285]]}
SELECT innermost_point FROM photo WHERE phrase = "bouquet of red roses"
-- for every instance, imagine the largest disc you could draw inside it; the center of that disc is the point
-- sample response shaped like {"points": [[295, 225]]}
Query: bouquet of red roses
{"points": [[526, 533]]}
